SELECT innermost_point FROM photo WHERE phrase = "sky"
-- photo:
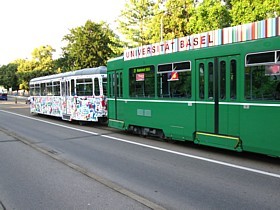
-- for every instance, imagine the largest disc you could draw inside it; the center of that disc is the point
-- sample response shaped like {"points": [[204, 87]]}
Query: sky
{"points": [[29, 24]]}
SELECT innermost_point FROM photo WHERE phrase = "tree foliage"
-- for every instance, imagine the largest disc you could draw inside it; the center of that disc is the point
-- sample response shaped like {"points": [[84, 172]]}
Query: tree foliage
{"points": [[209, 15], [134, 21], [90, 45], [170, 19], [141, 21], [41, 64], [176, 18], [8, 76], [246, 11]]}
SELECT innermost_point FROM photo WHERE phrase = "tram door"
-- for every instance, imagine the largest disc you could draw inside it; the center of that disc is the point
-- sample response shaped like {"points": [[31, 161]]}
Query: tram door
{"points": [[217, 84], [66, 111], [115, 93]]}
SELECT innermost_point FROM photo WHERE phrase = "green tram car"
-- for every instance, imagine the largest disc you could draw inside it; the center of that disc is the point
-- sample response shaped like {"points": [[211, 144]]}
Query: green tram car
{"points": [[220, 88]]}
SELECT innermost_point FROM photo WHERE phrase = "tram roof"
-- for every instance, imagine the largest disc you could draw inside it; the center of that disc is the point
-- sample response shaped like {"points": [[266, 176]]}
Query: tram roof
{"points": [[86, 71]]}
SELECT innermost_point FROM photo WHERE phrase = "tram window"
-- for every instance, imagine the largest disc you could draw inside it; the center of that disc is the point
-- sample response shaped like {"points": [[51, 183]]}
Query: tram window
{"points": [[262, 82], [63, 89], [68, 93], [182, 66], [37, 90], [43, 89], [260, 58], [210, 81], [185, 65], [96, 87], [84, 87], [49, 89], [115, 82], [142, 81], [174, 80], [32, 89], [112, 85], [56, 88], [222, 80], [119, 85], [233, 79], [201, 81], [104, 85], [165, 67], [178, 88], [72, 87]]}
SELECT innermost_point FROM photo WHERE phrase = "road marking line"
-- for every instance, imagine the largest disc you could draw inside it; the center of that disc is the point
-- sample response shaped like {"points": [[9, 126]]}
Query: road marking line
{"points": [[156, 148]]}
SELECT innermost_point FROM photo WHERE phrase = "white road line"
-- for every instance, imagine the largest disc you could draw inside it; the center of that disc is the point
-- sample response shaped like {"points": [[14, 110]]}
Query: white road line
{"points": [[155, 148]]}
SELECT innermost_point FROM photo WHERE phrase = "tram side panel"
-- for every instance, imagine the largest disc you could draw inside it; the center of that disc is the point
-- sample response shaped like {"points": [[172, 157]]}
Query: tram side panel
{"points": [[260, 129], [174, 120], [260, 108], [47, 105], [79, 108]]}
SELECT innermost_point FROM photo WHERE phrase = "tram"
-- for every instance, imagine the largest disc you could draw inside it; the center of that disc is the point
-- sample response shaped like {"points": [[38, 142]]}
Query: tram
{"points": [[78, 95], [219, 88]]}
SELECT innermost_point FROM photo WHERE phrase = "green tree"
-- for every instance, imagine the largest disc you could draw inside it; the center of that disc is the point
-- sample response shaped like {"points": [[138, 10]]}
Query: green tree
{"points": [[245, 11], [8, 76], [134, 21], [43, 59], [154, 23], [41, 64], [146, 22], [26, 71], [90, 45], [209, 15], [179, 12], [176, 17], [62, 64]]}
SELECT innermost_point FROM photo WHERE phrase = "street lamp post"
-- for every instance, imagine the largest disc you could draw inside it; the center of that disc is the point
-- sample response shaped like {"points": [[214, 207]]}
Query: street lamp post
{"points": [[161, 29], [161, 19]]}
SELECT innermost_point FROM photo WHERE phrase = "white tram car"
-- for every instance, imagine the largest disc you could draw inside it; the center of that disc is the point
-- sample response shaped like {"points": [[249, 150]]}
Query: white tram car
{"points": [[77, 95]]}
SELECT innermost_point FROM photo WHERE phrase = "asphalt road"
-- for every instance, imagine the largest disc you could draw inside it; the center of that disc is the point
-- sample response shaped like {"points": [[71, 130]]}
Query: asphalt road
{"points": [[172, 176], [32, 180]]}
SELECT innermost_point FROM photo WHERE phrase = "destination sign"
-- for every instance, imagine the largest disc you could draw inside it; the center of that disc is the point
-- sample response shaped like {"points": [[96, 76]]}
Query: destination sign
{"points": [[142, 69]]}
